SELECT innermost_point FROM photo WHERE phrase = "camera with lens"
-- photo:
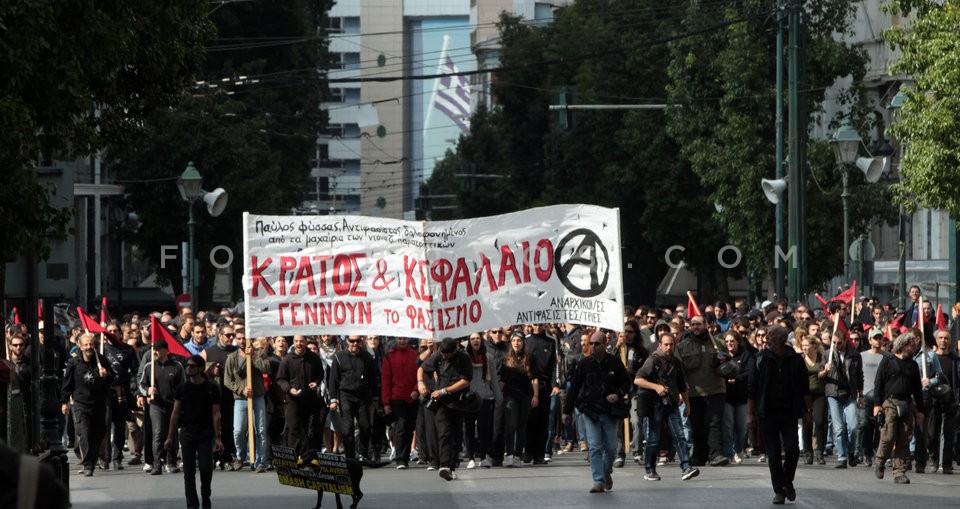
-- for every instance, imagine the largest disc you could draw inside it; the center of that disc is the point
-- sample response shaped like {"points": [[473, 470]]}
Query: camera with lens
{"points": [[432, 404]]}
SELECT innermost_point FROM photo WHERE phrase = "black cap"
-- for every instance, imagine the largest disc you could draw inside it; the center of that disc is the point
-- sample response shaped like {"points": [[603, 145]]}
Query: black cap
{"points": [[160, 344]]}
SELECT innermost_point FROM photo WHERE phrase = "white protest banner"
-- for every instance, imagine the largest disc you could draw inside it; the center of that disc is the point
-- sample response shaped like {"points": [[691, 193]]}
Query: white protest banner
{"points": [[363, 275]]}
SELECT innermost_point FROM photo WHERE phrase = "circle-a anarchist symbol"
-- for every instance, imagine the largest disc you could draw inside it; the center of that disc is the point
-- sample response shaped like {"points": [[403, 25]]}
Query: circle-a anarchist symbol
{"points": [[584, 266]]}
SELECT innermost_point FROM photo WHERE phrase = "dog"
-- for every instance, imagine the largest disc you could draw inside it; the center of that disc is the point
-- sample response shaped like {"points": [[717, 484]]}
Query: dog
{"points": [[310, 459]]}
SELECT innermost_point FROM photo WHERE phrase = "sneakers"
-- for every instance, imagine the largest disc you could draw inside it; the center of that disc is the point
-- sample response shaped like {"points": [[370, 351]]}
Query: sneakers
{"points": [[486, 462], [445, 474], [662, 460], [568, 448], [841, 464], [618, 463], [472, 465], [147, 467], [901, 479], [511, 461], [638, 459], [118, 465], [819, 459], [236, 466], [690, 473], [762, 458], [431, 468], [88, 473], [719, 461], [171, 469], [453, 475], [583, 447], [156, 471], [547, 458], [134, 461], [597, 488], [401, 466], [779, 499], [738, 459], [651, 476], [260, 469], [607, 482], [808, 459]]}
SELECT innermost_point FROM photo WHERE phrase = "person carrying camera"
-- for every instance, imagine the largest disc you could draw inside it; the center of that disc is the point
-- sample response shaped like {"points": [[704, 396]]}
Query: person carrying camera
{"points": [[899, 397], [664, 390], [449, 371]]}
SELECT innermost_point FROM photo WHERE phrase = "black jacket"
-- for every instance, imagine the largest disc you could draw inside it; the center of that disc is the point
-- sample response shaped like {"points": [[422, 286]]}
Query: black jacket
{"points": [[82, 381], [354, 376], [543, 354], [772, 378], [297, 372], [593, 382], [846, 380], [170, 376]]}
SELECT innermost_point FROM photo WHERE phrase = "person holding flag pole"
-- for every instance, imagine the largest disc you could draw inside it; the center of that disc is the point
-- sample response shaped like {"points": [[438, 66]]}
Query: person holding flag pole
{"points": [[243, 377], [166, 375], [87, 383], [930, 370]]}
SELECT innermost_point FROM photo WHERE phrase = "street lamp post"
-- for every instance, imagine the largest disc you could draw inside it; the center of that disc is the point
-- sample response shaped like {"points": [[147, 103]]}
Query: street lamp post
{"points": [[895, 104], [189, 185], [846, 142]]}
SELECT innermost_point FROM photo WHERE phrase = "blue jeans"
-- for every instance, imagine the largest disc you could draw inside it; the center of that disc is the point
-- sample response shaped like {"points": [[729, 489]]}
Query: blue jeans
{"points": [[671, 414], [240, 428], [602, 437], [551, 424], [846, 431], [734, 428]]}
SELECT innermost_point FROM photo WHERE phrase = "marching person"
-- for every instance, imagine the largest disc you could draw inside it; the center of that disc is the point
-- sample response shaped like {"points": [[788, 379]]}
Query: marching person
{"points": [[942, 421], [196, 409], [215, 356], [159, 392], [844, 391], [899, 395], [235, 379], [451, 371], [398, 392], [354, 388], [600, 382], [778, 393], [87, 380], [299, 376], [661, 378], [701, 353]]}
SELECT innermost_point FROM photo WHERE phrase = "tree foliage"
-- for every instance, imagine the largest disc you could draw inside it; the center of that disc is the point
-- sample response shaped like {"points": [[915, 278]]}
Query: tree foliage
{"points": [[248, 126], [77, 75], [929, 124]]}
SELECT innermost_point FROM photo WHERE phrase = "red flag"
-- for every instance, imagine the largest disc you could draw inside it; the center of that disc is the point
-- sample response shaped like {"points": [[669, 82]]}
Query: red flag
{"points": [[104, 313], [692, 308], [158, 331], [16, 316], [941, 319], [90, 325], [847, 294]]}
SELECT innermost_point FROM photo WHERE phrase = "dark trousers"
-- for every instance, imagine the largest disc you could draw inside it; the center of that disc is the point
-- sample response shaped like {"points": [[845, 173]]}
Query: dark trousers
{"points": [[116, 423], [448, 436], [537, 424], [405, 421], [816, 429], [356, 414], [497, 440], [941, 430], [197, 453], [870, 436], [226, 423], [478, 430], [91, 428], [160, 420], [782, 447], [516, 423], [147, 431], [427, 436], [706, 427], [299, 412]]}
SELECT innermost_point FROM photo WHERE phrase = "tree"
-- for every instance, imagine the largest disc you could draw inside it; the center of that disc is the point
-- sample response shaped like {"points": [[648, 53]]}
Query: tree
{"points": [[724, 83], [249, 126], [75, 77], [928, 125]]}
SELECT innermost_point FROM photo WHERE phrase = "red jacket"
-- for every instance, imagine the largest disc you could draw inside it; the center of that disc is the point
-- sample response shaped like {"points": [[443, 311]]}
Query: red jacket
{"points": [[399, 375]]}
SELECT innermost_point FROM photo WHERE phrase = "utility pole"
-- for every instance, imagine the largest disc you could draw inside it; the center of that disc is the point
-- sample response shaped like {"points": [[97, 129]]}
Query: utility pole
{"points": [[795, 241], [778, 163]]}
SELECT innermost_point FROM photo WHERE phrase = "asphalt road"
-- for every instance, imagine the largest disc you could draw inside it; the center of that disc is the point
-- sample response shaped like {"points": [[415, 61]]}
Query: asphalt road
{"points": [[563, 483]]}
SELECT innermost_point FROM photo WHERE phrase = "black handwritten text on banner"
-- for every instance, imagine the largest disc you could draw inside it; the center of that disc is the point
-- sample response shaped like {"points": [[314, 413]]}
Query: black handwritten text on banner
{"points": [[364, 275]]}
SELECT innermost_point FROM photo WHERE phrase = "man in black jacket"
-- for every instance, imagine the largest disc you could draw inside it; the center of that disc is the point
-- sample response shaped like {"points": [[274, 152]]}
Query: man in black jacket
{"points": [[160, 390], [87, 380], [299, 375], [778, 393], [844, 391], [216, 358], [450, 371], [899, 395], [600, 383], [354, 390], [543, 360]]}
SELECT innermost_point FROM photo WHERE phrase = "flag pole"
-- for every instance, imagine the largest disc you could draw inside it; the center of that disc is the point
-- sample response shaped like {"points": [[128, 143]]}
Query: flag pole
{"points": [[626, 420], [436, 82], [247, 342], [923, 343], [833, 346]]}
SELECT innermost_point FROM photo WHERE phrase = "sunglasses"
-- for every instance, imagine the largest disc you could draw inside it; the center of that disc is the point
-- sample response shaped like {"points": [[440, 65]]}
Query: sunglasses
{"points": [[231, 335], [16, 345], [595, 344], [353, 341]]}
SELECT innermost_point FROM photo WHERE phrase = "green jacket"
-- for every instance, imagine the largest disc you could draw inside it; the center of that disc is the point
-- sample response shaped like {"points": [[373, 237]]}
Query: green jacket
{"points": [[235, 374], [700, 361]]}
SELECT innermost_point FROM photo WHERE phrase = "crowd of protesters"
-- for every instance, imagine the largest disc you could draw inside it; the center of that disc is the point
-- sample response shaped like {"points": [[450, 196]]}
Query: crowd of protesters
{"points": [[673, 386]]}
